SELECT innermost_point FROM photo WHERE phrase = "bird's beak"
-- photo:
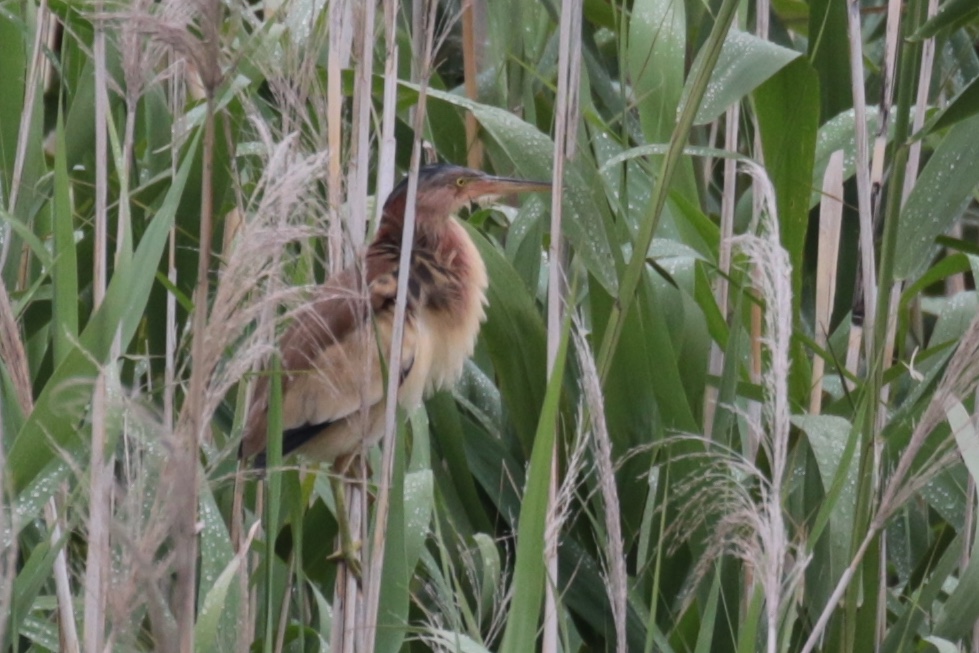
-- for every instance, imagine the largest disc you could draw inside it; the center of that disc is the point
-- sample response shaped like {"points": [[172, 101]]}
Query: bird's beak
{"points": [[490, 186]]}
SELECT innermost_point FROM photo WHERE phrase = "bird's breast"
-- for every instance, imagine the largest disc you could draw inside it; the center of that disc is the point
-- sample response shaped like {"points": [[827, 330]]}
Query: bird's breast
{"points": [[453, 281]]}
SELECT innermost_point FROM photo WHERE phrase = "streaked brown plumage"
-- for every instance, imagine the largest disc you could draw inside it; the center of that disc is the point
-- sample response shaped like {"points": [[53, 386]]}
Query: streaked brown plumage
{"points": [[332, 381]]}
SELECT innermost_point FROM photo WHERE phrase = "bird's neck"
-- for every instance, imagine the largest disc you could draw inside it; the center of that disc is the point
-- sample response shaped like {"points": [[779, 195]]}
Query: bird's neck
{"points": [[448, 275], [428, 232]]}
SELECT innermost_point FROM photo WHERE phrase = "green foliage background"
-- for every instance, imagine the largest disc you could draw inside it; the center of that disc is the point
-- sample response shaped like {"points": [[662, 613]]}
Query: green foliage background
{"points": [[879, 488]]}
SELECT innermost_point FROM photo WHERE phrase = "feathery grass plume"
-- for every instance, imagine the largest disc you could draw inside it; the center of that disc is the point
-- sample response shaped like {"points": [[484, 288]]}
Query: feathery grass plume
{"points": [[169, 25], [574, 476], [444, 597], [741, 504], [601, 444], [140, 573], [279, 209], [775, 552], [279, 206], [289, 67]]}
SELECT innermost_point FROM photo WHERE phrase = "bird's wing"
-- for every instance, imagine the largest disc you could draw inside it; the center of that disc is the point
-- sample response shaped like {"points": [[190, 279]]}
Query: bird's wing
{"points": [[332, 381]]}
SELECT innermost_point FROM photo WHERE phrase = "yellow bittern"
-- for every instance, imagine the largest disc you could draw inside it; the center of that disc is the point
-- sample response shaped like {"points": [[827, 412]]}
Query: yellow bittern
{"points": [[333, 354]]}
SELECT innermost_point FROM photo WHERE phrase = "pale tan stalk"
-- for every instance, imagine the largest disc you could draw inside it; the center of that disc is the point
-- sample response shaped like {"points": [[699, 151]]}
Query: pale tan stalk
{"points": [[920, 106], [867, 264], [67, 628], [852, 362], [35, 78], [338, 58], [387, 146], [15, 359], [360, 142], [103, 496], [9, 552], [894, 16], [711, 140], [280, 634], [175, 100], [565, 135], [185, 465], [758, 191], [470, 63], [67, 631], [419, 12], [728, 203], [830, 218], [97, 561], [345, 37], [893, 29], [375, 560]]}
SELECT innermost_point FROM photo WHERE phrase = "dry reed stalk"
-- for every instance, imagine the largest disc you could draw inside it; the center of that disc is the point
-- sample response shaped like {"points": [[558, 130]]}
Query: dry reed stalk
{"points": [[920, 106], [280, 634], [955, 283], [852, 360], [968, 527], [565, 137], [418, 17], [15, 361], [708, 158], [355, 630], [374, 568], [758, 193], [359, 170], [728, 203], [35, 79], [176, 101], [387, 144], [67, 630], [338, 57], [14, 355], [359, 613], [98, 561], [347, 595], [867, 265], [346, 35], [830, 218], [185, 464], [961, 378], [470, 64], [892, 30]]}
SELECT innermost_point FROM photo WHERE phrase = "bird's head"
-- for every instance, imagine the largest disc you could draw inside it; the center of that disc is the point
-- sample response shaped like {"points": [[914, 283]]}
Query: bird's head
{"points": [[443, 189]]}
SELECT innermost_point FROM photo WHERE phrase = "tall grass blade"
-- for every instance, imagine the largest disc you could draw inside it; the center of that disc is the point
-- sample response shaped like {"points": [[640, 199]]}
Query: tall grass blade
{"points": [[529, 572]]}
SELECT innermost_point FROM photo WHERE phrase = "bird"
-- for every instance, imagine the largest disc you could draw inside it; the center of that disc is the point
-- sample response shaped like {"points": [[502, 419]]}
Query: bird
{"points": [[333, 355]]}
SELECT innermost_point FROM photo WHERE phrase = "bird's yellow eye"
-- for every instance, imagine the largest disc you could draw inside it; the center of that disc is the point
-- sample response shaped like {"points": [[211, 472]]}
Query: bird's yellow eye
{"points": [[461, 181]]}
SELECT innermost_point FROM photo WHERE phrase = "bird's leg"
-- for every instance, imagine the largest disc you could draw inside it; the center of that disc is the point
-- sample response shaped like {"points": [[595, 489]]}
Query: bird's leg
{"points": [[349, 551]]}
